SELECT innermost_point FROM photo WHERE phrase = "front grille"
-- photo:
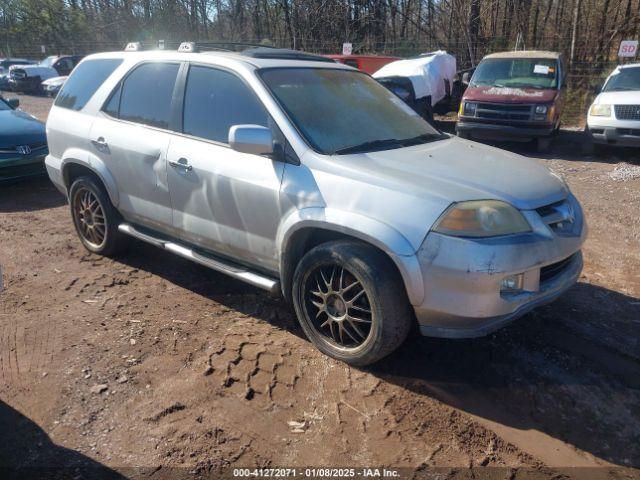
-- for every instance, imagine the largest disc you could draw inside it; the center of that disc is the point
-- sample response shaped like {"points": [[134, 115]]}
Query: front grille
{"points": [[495, 111], [17, 73], [634, 132], [559, 216], [551, 271], [31, 169], [627, 112]]}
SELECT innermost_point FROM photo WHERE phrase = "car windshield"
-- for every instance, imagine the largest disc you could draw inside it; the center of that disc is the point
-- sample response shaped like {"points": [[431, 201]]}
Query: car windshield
{"points": [[539, 73], [624, 80], [345, 111], [47, 62]]}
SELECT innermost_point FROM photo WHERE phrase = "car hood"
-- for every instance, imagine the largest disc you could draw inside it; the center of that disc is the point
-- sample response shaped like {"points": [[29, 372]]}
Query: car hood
{"points": [[37, 70], [55, 81], [20, 128], [510, 95], [409, 188], [619, 98]]}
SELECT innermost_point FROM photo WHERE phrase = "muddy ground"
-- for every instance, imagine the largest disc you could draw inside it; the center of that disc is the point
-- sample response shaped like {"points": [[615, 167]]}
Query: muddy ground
{"points": [[150, 361]]}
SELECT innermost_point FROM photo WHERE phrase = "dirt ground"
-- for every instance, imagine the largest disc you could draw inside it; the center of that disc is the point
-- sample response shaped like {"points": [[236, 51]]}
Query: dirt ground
{"points": [[151, 361]]}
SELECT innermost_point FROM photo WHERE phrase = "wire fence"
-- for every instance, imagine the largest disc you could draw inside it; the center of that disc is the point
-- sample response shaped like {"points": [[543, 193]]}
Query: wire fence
{"points": [[582, 78]]}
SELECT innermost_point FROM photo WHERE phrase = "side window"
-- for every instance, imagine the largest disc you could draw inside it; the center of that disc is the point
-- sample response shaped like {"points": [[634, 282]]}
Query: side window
{"points": [[146, 94], [216, 100], [113, 105], [84, 82]]}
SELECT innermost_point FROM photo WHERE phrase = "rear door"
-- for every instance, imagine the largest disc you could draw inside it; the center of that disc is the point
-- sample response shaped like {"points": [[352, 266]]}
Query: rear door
{"points": [[223, 200], [131, 136]]}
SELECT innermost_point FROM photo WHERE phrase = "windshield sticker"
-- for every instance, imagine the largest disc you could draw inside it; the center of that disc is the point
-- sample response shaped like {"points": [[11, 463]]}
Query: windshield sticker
{"points": [[541, 69], [518, 92]]}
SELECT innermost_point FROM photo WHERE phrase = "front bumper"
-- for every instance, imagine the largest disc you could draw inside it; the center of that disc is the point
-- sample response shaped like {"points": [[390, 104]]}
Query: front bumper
{"points": [[462, 276], [501, 132], [620, 136], [12, 168], [26, 84]]}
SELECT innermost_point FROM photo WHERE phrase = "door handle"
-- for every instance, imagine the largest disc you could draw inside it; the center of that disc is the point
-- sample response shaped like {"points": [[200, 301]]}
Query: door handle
{"points": [[181, 163], [100, 143]]}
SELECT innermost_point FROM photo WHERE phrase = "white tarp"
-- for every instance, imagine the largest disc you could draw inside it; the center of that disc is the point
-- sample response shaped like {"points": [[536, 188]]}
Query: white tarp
{"points": [[427, 73], [37, 70]]}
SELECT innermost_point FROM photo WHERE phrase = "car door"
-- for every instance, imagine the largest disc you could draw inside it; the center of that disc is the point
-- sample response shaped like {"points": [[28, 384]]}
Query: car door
{"points": [[131, 136], [223, 200]]}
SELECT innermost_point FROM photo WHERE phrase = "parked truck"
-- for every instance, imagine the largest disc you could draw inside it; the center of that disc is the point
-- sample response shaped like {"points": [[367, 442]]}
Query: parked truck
{"points": [[515, 96]]}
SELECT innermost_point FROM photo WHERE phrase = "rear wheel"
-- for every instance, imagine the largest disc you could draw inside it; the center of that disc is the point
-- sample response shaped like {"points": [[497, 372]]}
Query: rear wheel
{"points": [[95, 218], [351, 302]]}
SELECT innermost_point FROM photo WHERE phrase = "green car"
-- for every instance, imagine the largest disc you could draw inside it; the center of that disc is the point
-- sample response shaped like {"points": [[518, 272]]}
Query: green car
{"points": [[23, 142]]}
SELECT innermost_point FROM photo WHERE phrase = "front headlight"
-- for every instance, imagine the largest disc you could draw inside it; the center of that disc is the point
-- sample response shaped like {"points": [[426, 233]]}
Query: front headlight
{"points": [[600, 110], [470, 108], [481, 218], [541, 109]]}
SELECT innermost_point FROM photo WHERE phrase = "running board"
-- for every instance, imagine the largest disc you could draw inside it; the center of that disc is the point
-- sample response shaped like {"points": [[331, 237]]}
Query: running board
{"points": [[210, 261]]}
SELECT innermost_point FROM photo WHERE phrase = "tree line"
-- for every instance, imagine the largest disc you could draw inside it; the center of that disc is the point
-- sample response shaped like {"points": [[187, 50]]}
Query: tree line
{"points": [[587, 31]]}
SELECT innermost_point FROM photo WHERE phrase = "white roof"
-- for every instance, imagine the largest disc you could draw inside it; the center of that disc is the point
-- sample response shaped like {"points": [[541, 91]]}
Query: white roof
{"points": [[216, 57]]}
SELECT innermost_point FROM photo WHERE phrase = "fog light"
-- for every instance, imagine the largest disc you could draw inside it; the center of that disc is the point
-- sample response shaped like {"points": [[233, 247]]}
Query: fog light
{"points": [[512, 283]]}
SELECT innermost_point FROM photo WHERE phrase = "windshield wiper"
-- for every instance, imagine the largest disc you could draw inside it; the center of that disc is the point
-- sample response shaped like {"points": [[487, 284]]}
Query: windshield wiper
{"points": [[370, 146], [419, 139]]}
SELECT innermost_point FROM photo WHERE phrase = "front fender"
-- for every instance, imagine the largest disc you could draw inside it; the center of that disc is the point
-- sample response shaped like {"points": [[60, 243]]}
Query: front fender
{"points": [[364, 228], [95, 164]]}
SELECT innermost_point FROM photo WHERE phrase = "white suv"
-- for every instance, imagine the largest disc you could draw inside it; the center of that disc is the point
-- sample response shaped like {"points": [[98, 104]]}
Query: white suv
{"points": [[614, 116], [309, 179]]}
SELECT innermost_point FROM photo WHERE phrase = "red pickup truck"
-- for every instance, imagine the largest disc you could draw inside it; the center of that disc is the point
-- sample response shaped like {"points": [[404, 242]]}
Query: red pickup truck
{"points": [[514, 96]]}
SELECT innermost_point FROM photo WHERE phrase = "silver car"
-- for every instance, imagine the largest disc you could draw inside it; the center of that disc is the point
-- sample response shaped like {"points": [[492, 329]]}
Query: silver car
{"points": [[309, 179]]}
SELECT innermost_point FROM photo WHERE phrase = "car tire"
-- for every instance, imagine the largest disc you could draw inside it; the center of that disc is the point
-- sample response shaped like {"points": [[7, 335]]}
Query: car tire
{"points": [[591, 148], [96, 220], [351, 302], [543, 144]]}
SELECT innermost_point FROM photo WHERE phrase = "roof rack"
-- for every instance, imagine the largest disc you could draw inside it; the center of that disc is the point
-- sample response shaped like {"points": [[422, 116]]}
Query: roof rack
{"points": [[284, 54], [188, 47], [133, 47]]}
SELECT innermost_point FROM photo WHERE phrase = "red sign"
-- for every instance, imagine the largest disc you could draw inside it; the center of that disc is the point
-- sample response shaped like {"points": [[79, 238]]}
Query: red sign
{"points": [[628, 48]]}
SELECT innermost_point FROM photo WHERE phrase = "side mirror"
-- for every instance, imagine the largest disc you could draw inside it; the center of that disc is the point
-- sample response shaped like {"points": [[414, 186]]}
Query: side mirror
{"points": [[253, 139], [597, 89], [13, 102], [465, 78]]}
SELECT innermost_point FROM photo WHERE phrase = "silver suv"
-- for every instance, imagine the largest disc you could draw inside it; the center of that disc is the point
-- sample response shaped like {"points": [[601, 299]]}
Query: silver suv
{"points": [[309, 179]]}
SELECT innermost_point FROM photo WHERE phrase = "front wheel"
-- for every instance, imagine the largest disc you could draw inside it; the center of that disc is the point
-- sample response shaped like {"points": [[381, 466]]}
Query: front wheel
{"points": [[351, 302], [543, 144]]}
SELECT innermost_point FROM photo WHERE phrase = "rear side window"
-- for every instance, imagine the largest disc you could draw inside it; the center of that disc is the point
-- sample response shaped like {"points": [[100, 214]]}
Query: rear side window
{"points": [[84, 82], [216, 100], [145, 95]]}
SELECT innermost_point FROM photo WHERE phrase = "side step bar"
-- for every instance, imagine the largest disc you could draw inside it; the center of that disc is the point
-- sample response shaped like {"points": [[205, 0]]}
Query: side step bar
{"points": [[210, 261]]}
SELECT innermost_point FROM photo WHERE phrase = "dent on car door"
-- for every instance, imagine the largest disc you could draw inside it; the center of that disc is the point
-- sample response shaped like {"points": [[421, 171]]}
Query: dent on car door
{"points": [[131, 136], [223, 200]]}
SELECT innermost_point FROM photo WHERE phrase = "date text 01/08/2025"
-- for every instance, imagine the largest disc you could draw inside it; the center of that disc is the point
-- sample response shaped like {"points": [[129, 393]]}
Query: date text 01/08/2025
{"points": [[315, 472]]}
